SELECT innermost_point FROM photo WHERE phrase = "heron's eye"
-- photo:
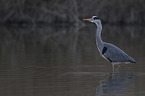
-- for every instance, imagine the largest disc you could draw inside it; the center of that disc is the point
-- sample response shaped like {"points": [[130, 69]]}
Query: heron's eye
{"points": [[95, 18]]}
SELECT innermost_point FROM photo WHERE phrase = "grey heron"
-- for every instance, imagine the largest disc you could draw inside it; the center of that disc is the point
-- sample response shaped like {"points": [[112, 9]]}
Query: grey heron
{"points": [[109, 51]]}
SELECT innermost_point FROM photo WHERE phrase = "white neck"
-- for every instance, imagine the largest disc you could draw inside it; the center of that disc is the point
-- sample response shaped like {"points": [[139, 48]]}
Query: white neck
{"points": [[98, 35]]}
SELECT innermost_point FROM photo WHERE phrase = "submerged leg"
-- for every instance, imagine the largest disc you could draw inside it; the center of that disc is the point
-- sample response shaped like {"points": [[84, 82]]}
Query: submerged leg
{"points": [[113, 66], [118, 67]]}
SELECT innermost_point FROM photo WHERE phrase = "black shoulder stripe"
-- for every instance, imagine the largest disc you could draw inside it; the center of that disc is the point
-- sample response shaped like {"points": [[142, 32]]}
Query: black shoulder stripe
{"points": [[104, 50], [109, 59]]}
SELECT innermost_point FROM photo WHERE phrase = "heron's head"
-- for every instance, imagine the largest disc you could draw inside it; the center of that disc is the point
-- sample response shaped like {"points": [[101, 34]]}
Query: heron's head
{"points": [[94, 19]]}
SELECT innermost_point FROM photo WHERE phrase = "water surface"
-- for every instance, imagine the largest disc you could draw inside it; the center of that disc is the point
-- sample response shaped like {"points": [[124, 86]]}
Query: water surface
{"points": [[46, 61]]}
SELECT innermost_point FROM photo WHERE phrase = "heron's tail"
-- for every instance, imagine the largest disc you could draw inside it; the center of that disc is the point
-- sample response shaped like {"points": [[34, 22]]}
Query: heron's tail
{"points": [[132, 60]]}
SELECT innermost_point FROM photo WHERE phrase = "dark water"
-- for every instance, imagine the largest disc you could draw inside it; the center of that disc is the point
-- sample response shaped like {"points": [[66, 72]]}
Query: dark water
{"points": [[65, 62]]}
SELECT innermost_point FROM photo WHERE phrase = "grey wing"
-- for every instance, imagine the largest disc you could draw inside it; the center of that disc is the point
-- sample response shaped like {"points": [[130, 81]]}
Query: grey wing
{"points": [[115, 54]]}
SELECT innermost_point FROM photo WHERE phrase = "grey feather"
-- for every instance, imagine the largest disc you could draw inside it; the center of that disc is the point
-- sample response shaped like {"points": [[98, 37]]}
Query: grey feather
{"points": [[115, 54]]}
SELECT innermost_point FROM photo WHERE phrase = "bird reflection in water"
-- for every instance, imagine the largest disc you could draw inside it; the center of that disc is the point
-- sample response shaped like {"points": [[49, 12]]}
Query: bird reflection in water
{"points": [[117, 83]]}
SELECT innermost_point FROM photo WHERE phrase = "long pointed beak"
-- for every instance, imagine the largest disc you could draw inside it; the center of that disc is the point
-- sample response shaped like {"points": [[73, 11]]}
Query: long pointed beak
{"points": [[87, 19]]}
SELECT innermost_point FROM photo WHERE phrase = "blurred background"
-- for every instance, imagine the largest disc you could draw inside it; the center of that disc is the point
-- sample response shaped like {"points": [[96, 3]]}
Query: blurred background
{"points": [[46, 49], [71, 11]]}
